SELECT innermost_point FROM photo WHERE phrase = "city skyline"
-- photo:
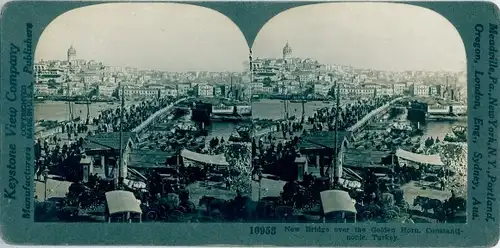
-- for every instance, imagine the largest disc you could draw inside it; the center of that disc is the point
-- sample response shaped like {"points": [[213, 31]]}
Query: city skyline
{"points": [[363, 47], [377, 39]]}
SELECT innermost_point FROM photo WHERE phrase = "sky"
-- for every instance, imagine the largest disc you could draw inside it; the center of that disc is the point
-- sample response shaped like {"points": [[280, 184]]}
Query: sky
{"points": [[176, 37], [170, 37]]}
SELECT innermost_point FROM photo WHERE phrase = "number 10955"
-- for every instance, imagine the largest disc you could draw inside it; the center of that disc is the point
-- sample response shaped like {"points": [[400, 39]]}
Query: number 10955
{"points": [[263, 230]]}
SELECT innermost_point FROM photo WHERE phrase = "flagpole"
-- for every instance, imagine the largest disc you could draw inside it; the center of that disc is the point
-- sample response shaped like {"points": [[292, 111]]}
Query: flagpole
{"points": [[120, 166], [335, 158], [253, 129]]}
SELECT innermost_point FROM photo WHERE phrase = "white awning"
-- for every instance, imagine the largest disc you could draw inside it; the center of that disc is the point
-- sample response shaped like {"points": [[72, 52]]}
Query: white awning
{"points": [[120, 201], [337, 201], [419, 158], [203, 158]]}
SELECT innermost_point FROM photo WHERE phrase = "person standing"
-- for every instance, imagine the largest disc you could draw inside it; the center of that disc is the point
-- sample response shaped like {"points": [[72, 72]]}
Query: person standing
{"points": [[228, 183]]}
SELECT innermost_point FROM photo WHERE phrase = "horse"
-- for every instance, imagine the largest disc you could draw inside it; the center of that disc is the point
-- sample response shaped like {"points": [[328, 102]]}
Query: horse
{"points": [[238, 208], [213, 204], [245, 208], [456, 204], [451, 207], [427, 203]]}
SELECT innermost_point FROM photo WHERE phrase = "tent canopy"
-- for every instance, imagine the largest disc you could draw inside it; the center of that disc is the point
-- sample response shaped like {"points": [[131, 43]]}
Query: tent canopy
{"points": [[419, 158], [337, 201], [203, 158], [120, 201]]}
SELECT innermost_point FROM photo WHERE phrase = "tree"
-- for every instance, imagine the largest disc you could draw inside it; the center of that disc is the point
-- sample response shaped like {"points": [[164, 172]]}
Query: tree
{"points": [[239, 158], [454, 158]]}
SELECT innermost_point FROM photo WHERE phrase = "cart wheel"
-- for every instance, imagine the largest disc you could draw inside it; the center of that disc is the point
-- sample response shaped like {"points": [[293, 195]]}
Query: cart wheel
{"points": [[404, 207], [176, 216], [391, 214], [396, 209], [283, 212], [152, 216], [216, 215], [191, 206], [367, 215], [183, 209]]}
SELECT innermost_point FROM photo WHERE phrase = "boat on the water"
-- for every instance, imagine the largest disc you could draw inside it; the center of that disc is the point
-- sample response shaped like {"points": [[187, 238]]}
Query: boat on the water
{"points": [[460, 132], [400, 127], [298, 101], [447, 110], [222, 110], [231, 113], [39, 99], [231, 118], [244, 132]]}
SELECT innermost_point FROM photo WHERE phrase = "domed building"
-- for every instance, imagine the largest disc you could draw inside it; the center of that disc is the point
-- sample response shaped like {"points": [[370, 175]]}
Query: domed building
{"points": [[71, 54], [287, 52]]}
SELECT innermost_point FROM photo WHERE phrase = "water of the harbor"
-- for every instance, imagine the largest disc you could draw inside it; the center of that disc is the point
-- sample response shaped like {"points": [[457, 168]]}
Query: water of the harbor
{"points": [[262, 109], [267, 109], [59, 111], [275, 109], [439, 129]]}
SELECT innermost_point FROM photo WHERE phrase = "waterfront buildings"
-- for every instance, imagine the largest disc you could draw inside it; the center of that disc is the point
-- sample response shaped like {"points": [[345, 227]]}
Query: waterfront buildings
{"points": [[418, 89], [399, 89], [287, 75], [322, 89], [182, 89], [205, 90]]}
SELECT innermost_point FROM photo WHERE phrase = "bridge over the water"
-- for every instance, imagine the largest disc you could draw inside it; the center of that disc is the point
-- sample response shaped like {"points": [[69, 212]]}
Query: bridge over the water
{"points": [[157, 116], [356, 128], [374, 115]]}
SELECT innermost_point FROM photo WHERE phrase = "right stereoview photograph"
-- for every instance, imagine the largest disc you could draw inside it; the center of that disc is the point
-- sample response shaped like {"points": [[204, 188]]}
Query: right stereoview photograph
{"points": [[359, 114]]}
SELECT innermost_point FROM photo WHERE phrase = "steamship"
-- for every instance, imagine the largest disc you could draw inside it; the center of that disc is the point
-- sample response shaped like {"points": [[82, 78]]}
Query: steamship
{"points": [[226, 112], [220, 112], [422, 111]]}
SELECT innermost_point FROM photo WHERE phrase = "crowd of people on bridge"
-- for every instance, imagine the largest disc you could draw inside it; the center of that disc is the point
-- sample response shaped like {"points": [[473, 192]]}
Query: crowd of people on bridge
{"points": [[109, 120], [348, 115]]}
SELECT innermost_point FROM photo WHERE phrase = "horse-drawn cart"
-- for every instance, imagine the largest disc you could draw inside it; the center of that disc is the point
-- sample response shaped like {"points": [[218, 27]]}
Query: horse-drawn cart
{"points": [[390, 206], [171, 207], [337, 206], [122, 206]]}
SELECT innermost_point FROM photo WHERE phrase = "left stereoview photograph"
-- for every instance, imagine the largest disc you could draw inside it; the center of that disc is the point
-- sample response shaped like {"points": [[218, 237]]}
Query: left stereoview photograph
{"points": [[146, 124]]}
